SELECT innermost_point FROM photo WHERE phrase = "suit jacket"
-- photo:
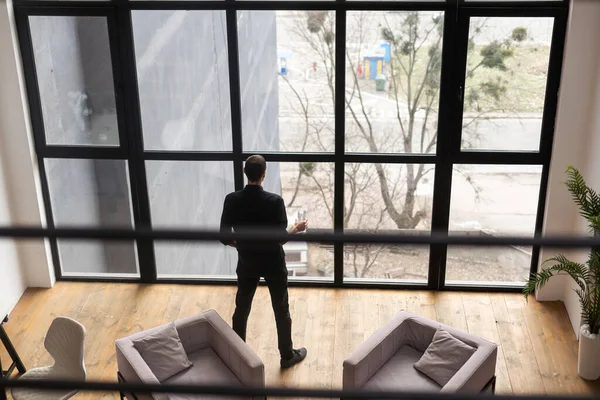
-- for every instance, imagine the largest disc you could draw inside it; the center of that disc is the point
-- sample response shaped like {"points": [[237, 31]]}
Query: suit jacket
{"points": [[256, 209]]}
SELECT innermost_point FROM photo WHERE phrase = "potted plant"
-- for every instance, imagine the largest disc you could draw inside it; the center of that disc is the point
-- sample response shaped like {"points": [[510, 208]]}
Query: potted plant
{"points": [[586, 276]]}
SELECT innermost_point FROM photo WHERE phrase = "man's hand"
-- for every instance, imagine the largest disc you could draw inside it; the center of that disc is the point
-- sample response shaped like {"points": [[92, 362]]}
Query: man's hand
{"points": [[299, 226]]}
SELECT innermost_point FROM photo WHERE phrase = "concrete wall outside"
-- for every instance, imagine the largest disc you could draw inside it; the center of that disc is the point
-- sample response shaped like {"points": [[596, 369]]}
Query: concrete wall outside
{"points": [[185, 105]]}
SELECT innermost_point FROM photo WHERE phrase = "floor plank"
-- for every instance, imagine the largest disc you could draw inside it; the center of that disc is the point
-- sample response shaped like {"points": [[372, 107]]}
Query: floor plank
{"points": [[521, 362], [554, 359], [450, 310], [503, 383], [537, 348]]}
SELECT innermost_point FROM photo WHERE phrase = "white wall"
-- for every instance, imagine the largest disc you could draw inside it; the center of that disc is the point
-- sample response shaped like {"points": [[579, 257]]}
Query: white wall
{"points": [[12, 282], [575, 140], [590, 166], [20, 193]]}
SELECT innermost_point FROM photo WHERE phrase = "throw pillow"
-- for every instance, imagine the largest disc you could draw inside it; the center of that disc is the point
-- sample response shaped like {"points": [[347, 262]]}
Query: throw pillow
{"points": [[163, 352], [444, 357]]}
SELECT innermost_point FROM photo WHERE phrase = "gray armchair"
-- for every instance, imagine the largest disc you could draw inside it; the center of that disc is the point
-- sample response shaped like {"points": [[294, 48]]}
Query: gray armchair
{"points": [[219, 357], [385, 361]]}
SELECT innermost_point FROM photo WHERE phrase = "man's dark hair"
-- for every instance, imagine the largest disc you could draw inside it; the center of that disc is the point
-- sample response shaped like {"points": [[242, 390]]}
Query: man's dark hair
{"points": [[255, 167]]}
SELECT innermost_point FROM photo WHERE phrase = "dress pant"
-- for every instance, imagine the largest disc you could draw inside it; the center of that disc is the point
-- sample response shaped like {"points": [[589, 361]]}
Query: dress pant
{"points": [[276, 278]]}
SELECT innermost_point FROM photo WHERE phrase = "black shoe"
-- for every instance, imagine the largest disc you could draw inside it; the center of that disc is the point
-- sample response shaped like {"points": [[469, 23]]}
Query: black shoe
{"points": [[298, 356]]}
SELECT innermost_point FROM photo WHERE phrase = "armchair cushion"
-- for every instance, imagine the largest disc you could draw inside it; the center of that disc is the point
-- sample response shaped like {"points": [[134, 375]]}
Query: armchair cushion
{"points": [[398, 374], [207, 369], [444, 357], [163, 352]]}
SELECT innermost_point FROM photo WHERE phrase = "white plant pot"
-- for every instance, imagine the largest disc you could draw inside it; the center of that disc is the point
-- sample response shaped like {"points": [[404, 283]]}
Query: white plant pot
{"points": [[588, 366]]}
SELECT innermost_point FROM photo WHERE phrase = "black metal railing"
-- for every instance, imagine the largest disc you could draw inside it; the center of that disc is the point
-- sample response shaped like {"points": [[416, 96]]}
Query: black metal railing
{"points": [[555, 241], [243, 391]]}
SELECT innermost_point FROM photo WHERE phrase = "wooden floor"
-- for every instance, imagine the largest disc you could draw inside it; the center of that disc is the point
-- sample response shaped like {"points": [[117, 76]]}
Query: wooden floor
{"points": [[537, 347]]}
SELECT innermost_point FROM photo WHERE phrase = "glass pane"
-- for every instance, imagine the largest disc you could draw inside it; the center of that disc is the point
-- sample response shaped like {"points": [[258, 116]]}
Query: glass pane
{"points": [[183, 79], [179, 199], [384, 198], [156, 0], [420, 1], [303, 0], [92, 193], [67, 1], [391, 263], [492, 200], [505, 84], [75, 79], [307, 190], [484, 1], [393, 71], [287, 80]]}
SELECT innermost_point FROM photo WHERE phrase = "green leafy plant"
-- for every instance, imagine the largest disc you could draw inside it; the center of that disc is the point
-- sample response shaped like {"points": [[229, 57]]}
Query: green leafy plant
{"points": [[586, 276], [519, 34]]}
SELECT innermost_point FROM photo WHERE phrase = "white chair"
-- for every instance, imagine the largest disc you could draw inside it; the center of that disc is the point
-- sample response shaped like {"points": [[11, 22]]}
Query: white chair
{"points": [[64, 341]]}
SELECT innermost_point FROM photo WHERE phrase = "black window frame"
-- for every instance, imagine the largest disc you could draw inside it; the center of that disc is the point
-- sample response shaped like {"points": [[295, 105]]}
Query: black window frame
{"points": [[448, 148]]}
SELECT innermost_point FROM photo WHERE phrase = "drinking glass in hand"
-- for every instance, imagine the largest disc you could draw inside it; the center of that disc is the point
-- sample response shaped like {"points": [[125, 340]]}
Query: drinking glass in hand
{"points": [[301, 217]]}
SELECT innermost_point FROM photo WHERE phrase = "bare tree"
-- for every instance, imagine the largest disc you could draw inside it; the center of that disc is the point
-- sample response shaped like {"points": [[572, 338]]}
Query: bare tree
{"points": [[377, 195]]}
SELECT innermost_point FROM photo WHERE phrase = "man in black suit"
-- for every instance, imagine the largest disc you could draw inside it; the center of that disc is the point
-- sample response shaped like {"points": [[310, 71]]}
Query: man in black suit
{"points": [[253, 209]]}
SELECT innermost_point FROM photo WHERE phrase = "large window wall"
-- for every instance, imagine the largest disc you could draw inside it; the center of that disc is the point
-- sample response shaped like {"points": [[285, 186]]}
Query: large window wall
{"points": [[406, 117]]}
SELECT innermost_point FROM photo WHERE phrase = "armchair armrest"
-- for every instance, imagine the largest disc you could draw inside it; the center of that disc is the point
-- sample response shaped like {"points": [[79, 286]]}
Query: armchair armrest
{"points": [[234, 352], [360, 366], [476, 372], [133, 368]]}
